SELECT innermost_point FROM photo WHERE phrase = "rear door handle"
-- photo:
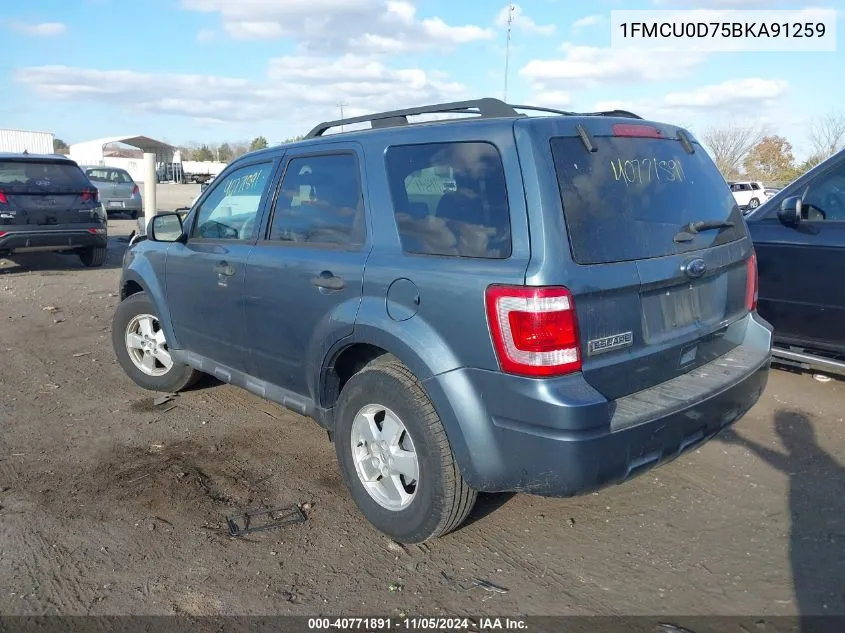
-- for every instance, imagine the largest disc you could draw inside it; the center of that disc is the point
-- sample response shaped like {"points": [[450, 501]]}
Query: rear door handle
{"points": [[223, 268], [328, 281]]}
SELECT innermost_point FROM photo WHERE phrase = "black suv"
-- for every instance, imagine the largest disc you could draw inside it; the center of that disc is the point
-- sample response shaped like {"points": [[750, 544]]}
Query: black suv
{"points": [[548, 304], [47, 203]]}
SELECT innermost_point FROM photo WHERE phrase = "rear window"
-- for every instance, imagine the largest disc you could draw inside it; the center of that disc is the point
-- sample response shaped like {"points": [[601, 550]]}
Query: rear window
{"points": [[26, 174], [629, 198]]}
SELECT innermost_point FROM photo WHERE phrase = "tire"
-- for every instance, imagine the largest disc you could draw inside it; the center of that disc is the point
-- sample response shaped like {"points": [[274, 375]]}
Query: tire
{"points": [[93, 256], [133, 215], [753, 203], [440, 499], [131, 314]]}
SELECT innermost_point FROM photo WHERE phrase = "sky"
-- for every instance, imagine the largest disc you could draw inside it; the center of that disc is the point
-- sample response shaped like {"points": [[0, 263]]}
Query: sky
{"points": [[210, 71]]}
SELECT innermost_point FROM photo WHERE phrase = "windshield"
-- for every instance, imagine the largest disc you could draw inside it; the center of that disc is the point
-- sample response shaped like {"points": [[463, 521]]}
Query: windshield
{"points": [[20, 174], [629, 199]]}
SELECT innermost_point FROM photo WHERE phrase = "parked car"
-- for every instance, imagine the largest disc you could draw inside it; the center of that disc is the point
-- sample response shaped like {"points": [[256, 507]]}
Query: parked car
{"points": [[748, 194], [579, 307], [799, 236], [118, 191], [47, 203]]}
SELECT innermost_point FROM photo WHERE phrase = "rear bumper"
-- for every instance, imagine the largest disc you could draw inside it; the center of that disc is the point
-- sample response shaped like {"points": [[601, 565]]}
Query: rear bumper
{"points": [[562, 438], [55, 238]]}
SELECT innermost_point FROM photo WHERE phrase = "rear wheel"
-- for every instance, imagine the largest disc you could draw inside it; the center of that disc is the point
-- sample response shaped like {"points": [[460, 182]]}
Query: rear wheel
{"points": [[93, 256], [753, 203], [142, 350], [395, 457]]}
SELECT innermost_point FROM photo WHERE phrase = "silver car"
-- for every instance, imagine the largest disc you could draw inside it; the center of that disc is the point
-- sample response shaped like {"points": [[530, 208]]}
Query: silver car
{"points": [[118, 192]]}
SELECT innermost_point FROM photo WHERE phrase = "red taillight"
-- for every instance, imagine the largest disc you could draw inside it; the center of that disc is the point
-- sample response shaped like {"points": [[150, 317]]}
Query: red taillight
{"points": [[2, 233], [94, 231], [3, 198], [534, 330], [751, 284], [135, 190], [631, 129], [90, 194]]}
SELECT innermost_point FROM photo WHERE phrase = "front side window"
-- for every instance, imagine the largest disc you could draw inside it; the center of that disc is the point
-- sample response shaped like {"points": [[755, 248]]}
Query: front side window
{"points": [[320, 202], [450, 199], [231, 209], [824, 198]]}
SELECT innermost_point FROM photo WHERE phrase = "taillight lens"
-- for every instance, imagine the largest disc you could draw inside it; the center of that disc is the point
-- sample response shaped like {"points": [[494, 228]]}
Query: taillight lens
{"points": [[3, 198], [534, 330], [94, 231], [751, 284], [90, 194], [2, 233], [135, 190]]}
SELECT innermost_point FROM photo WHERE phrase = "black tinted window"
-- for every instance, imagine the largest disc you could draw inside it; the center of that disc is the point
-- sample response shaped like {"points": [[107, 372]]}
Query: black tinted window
{"points": [[628, 199], [320, 201], [450, 199], [824, 198], [42, 174], [231, 209]]}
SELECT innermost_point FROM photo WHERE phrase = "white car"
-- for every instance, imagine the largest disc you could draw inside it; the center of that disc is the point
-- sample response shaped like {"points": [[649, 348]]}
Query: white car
{"points": [[749, 194]]}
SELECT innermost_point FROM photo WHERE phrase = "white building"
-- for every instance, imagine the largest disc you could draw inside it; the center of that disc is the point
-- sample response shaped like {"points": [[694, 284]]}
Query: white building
{"points": [[19, 141]]}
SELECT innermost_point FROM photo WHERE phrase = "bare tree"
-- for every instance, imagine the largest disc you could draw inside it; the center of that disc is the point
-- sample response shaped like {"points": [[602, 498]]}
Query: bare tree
{"points": [[730, 145], [827, 134]]}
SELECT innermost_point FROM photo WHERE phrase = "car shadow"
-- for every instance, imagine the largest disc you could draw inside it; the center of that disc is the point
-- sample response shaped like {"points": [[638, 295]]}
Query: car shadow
{"points": [[53, 262], [817, 531], [486, 504]]}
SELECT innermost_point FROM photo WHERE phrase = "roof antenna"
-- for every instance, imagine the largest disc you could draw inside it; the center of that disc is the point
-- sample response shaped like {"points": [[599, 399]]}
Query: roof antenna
{"points": [[511, 9], [26, 153]]}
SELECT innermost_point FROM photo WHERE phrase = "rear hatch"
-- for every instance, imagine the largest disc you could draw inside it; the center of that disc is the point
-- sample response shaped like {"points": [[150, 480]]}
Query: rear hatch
{"points": [[660, 249], [45, 192]]}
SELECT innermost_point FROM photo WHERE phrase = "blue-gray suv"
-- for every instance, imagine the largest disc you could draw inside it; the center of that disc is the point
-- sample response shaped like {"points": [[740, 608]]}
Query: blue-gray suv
{"points": [[497, 301]]}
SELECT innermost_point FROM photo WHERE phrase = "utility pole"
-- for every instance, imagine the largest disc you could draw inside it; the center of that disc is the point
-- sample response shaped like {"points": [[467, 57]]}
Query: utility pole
{"points": [[340, 105], [508, 47]]}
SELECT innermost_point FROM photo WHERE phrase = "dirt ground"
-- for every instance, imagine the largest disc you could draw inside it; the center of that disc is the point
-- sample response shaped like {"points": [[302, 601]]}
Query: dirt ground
{"points": [[110, 504]]}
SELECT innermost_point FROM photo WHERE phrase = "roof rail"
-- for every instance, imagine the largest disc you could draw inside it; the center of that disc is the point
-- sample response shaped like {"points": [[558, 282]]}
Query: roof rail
{"points": [[484, 108]]}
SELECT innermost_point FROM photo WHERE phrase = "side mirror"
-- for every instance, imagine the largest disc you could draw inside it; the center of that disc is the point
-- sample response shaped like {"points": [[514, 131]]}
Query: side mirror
{"points": [[166, 227], [790, 211]]}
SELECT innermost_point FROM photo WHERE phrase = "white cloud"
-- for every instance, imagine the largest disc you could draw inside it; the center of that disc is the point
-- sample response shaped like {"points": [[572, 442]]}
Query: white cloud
{"points": [[305, 88], [587, 21], [552, 99], [728, 95], [41, 29], [206, 35], [749, 97], [339, 26], [588, 65], [522, 21]]}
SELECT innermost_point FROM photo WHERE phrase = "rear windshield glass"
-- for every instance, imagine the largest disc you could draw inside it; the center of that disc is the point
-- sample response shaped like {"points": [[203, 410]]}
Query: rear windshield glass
{"points": [[629, 198], [28, 174]]}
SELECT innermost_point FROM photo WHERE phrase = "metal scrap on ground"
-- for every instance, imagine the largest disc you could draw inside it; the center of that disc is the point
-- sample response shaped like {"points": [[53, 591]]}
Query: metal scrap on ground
{"points": [[278, 517]]}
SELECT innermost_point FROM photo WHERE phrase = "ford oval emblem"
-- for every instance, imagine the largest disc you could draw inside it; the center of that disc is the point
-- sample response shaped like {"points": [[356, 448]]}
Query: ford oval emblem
{"points": [[696, 268]]}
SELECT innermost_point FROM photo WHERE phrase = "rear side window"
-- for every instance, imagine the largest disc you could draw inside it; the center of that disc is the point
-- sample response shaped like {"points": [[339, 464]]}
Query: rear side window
{"points": [[450, 199], [46, 174], [320, 202], [632, 196], [121, 177]]}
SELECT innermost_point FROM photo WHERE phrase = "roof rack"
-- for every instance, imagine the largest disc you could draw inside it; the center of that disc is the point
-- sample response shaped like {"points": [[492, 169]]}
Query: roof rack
{"points": [[486, 108]]}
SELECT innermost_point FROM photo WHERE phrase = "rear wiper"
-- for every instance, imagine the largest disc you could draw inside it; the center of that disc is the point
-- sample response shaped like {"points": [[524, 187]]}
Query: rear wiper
{"points": [[687, 233]]}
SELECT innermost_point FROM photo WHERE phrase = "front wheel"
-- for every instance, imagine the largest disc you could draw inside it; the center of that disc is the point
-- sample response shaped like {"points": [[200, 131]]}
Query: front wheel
{"points": [[142, 350], [753, 203], [395, 457]]}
